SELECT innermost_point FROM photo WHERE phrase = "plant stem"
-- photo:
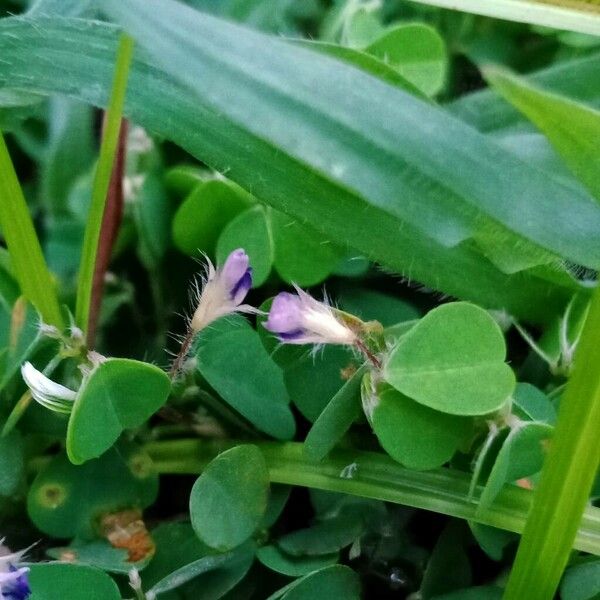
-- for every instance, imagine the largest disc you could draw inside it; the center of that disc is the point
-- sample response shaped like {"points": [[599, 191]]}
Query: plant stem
{"points": [[567, 477], [376, 476], [102, 180], [111, 221], [23, 245]]}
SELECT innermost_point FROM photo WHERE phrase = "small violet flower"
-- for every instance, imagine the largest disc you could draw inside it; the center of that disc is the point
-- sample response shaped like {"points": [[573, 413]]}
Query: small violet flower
{"points": [[221, 293], [300, 319], [224, 290], [13, 579], [48, 393]]}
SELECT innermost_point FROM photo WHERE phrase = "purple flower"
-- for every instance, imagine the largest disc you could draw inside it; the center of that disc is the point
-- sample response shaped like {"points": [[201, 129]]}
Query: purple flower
{"points": [[300, 319], [223, 291], [14, 584], [13, 580]]}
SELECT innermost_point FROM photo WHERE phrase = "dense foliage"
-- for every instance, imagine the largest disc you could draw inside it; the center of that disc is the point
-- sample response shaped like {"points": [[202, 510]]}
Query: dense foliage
{"points": [[291, 293]]}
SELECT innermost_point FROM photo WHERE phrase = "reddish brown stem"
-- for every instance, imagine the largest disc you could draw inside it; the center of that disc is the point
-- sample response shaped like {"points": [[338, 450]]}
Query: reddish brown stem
{"points": [[111, 221], [363, 348]]}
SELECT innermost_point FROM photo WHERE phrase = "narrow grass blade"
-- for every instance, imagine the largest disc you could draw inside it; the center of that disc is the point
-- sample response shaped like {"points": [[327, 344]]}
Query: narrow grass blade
{"points": [[102, 182], [582, 16], [377, 476], [23, 244], [81, 64], [567, 476]]}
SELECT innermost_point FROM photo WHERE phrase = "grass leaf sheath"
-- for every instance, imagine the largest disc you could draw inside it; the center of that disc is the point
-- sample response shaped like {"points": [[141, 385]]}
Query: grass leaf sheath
{"points": [[101, 184]]}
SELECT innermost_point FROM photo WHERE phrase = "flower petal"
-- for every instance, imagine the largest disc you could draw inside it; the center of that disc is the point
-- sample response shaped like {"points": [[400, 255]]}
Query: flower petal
{"points": [[234, 269], [285, 316]]}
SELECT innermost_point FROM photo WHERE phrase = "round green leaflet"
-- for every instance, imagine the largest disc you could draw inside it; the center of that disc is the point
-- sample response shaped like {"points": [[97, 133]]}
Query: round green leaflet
{"points": [[522, 455], [65, 500], [337, 582], [51, 581], [229, 499], [204, 213], [415, 435], [452, 361], [119, 394], [247, 379], [249, 230], [417, 52], [279, 561]]}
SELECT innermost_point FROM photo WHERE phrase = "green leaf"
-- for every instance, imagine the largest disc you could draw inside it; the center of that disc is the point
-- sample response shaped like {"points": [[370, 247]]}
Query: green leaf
{"points": [[448, 568], [71, 142], [24, 339], [181, 555], [312, 381], [181, 180], [217, 574], [327, 536], [488, 592], [279, 561], [522, 454], [337, 582], [452, 360], [229, 499], [366, 62], [532, 404], [277, 500], [492, 541], [372, 305], [119, 394], [64, 8], [99, 554], [250, 230], [580, 15], [417, 52], [67, 501], [370, 188], [335, 420], [361, 26], [581, 582], [488, 111], [205, 212], [76, 582], [153, 219], [233, 360], [462, 175], [415, 435], [27, 259], [572, 128], [176, 546], [301, 255], [12, 463]]}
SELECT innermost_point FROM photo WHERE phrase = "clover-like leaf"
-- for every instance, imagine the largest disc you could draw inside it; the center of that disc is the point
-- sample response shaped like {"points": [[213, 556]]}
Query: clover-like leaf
{"points": [[119, 394], [415, 435], [229, 499], [77, 582], [453, 361]]}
